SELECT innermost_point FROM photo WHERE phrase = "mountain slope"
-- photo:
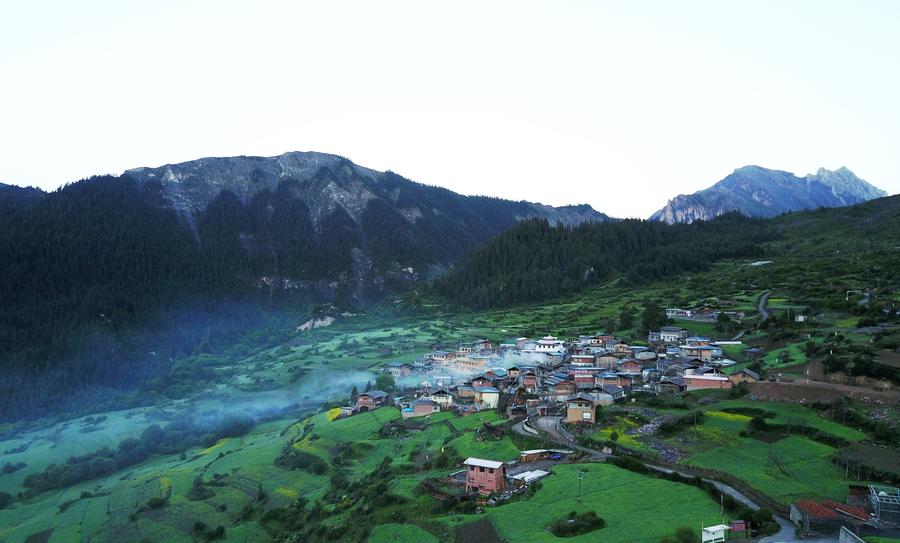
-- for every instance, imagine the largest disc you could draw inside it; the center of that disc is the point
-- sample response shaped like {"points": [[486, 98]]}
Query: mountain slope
{"points": [[371, 226], [760, 192], [534, 261], [107, 280]]}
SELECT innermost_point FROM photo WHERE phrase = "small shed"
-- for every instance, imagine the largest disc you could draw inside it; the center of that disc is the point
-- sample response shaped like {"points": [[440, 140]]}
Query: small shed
{"points": [[714, 534]]}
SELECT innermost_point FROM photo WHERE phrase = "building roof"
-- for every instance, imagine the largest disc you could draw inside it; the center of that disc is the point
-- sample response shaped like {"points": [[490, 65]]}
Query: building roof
{"points": [[750, 372], [529, 476], [539, 451], [374, 394], [481, 463], [582, 396], [613, 389], [707, 377], [487, 390], [815, 510]]}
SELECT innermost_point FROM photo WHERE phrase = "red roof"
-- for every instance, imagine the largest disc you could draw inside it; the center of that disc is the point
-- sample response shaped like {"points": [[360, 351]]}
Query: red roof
{"points": [[816, 510], [850, 510]]}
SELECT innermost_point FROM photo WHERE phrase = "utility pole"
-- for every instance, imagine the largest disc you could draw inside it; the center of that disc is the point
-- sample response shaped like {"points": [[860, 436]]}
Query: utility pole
{"points": [[580, 477]]}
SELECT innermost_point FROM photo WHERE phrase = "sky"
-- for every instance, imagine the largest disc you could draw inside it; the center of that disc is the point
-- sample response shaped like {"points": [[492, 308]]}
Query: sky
{"points": [[621, 105]]}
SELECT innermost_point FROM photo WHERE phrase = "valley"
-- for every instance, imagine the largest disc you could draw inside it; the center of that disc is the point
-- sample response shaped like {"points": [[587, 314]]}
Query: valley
{"points": [[293, 390]]}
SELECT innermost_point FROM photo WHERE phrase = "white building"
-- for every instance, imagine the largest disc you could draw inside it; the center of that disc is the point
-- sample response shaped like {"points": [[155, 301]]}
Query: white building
{"points": [[714, 534]]}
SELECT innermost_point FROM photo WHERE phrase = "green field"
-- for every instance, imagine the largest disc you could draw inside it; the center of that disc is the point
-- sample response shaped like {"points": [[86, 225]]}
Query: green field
{"points": [[615, 494], [790, 469], [792, 413], [401, 533]]}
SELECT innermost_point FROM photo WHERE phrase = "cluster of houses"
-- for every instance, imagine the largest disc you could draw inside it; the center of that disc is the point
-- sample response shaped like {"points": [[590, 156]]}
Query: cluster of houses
{"points": [[535, 377]]}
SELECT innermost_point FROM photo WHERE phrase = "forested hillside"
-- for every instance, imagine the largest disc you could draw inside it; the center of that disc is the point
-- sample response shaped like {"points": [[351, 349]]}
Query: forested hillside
{"points": [[535, 261], [108, 280]]}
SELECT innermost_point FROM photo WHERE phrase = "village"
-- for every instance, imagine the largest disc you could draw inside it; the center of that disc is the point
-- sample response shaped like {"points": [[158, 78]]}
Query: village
{"points": [[568, 382], [525, 377]]}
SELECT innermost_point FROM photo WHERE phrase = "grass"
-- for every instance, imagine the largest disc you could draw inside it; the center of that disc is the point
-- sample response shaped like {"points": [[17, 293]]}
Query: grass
{"points": [[467, 445], [615, 494], [792, 413], [807, 471], [401, 533]]}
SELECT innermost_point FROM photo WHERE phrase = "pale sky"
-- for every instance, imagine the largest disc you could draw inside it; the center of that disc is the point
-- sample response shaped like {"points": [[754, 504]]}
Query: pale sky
{"points": [[621, 105]]}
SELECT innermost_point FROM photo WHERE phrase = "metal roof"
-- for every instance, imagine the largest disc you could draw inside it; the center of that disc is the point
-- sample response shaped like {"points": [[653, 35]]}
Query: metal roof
{"points": [[481, 463]]}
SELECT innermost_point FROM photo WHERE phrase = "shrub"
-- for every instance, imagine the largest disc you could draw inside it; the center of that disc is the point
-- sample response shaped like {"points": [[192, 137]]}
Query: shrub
{"points": [[292, 459], [575, 524], [157, 502]]}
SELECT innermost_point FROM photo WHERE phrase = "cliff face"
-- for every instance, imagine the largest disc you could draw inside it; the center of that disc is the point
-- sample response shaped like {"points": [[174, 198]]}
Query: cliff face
{"points": [[760, 192], [326, 182], [319, 219]]}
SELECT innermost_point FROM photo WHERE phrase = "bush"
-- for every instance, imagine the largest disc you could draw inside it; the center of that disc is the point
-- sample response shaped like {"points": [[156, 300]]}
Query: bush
{"points": [[629, 463], [157, 502], [575, 524], [757, 424], [5, 500], [292, 459]]}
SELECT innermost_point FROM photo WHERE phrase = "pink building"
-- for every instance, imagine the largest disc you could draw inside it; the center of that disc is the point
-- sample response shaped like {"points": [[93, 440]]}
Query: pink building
{"points": [[485, 476]]}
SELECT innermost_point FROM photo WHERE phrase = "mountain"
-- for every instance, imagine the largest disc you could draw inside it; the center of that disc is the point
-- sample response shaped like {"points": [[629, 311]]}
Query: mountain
{"points": [[760, 192], [103, 271], [314, 217]]}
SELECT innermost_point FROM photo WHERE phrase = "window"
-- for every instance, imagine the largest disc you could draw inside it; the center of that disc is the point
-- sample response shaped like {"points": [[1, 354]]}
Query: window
{"points": [[491, 470], [480, 469]]}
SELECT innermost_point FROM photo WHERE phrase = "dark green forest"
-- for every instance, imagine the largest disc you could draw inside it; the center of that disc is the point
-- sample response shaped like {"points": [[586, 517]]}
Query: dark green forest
{"points": [[536, 261], [104, 284]]}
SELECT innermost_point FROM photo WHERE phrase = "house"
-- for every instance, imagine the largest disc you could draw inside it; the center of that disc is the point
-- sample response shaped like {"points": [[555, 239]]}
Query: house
{"points": [[583, 360], [550, 345], [744, 376], [697, 382], [487, 397], [529, 381], [513, 372], [704, 352], [481, 381], [800, 318], [631, 367], [671, 385], [441, 357], [674, 312], [607, 361], [441, 397], [370, 400], [563, 389], [580, 409], [714, 534], [533, 455], [420, 408], [485, 476], [614, 391], [668, 334], [399, 370], [465, 392], [482, 345], [466, 348]]}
